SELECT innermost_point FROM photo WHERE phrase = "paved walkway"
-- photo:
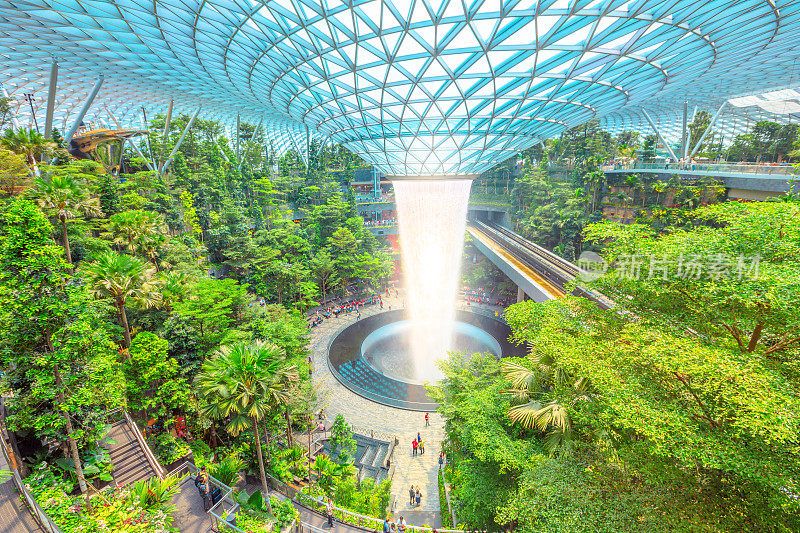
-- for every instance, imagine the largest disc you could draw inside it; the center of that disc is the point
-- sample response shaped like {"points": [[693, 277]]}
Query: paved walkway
{"points": [[14, 515], [365, 415], [189, 514]]}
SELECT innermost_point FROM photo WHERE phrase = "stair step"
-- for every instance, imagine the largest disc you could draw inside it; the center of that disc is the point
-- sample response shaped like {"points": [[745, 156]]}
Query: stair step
{"points": [[369, 455]]}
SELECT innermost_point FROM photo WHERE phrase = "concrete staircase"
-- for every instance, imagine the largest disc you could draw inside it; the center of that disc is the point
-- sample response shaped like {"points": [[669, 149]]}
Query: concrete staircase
{"points": [[129, 459]]}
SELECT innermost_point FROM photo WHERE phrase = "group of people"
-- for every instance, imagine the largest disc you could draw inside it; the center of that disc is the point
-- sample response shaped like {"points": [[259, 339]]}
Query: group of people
{"points": [[380, 223], [482, 296], [417, 445], [344, 308], [414, 496], [399, 527], [208, 492]]}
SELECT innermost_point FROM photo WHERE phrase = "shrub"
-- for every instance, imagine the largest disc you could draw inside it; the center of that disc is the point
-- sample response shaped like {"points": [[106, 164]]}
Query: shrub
{"points": [[115, 509], [226, 470], [444, 509]]}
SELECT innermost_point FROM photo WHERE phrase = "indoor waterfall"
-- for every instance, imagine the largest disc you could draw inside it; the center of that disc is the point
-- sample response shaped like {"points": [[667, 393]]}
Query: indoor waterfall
{"points": [[432, 218]]}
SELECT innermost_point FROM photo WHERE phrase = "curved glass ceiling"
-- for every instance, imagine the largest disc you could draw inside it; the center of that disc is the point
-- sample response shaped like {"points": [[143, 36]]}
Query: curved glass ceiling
{"points": [[417, 87]]}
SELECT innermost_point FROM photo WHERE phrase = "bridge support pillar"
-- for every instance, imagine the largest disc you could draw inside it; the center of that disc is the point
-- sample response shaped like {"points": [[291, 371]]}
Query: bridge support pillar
{"points": [[520, 295]]}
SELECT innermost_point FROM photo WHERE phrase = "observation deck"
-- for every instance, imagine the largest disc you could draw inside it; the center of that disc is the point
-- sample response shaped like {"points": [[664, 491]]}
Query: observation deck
{"points": [[746, 177]]}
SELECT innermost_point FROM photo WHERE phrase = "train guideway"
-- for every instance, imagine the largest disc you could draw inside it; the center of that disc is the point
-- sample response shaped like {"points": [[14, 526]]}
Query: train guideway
{"points": [[532, 283]]}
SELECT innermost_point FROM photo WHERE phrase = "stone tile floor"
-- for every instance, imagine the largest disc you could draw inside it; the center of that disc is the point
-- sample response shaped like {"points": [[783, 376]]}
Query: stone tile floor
{"points": [[365, 415]]}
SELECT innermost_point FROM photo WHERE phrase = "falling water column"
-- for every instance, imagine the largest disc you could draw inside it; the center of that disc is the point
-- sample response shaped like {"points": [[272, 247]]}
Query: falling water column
{"points": [[432, 217]]}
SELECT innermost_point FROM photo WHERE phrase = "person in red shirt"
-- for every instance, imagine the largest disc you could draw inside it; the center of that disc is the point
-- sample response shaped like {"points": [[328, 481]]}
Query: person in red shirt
{"points": [[414, 444]]}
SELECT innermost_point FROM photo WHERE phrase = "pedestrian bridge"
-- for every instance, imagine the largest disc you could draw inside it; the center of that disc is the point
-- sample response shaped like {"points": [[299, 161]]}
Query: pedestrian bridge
{"points": [[749, 177], [539, 274]]}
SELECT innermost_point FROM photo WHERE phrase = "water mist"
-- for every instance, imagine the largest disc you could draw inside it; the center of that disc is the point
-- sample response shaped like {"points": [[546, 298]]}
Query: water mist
{"points": [[432, 218]]}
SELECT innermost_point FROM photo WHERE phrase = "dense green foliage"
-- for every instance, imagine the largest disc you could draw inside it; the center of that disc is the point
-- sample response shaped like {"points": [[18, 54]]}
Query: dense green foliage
{"points": [[124, 291], [675, 411]]}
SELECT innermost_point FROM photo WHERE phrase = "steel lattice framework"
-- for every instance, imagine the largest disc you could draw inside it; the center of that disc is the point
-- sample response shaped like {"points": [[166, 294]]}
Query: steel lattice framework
{"points": [[417, 87]]}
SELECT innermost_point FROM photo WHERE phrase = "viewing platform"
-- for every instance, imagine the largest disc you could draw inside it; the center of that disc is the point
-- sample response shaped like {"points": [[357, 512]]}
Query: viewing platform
{"points": [[749, 177]]}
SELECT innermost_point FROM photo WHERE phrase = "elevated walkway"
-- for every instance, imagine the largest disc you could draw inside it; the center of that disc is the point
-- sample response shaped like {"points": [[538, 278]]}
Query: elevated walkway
{"points": [[14, 515], [765, 178]]}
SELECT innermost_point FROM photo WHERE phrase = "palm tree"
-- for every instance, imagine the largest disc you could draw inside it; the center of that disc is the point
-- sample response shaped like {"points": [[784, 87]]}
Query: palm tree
{"points": [[68, 198], [124, 279], [530, 386], [624, 198], [658, 188], [29, 143], [138, 231], [174, 286], [244, 382]]}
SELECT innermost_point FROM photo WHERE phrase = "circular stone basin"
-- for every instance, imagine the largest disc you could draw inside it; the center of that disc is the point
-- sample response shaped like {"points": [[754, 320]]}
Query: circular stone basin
{"points": [[370, 357], [388, 349]]}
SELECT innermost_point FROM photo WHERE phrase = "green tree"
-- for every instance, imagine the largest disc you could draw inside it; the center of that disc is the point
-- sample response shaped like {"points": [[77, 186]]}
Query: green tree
{"points": [[698, 126], [30, 143], [214, 309], [138, 231], [344, 250], [54, 341], [124, 279], [108, 192], [244, 382], [13, 172], [66, 198], [342, 443], [153, 382]]}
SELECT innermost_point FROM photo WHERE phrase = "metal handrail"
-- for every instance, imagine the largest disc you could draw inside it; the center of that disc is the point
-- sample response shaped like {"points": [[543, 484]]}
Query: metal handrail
{"points": [[360, 516], [36, 511], [776, 170], [151, 458]]}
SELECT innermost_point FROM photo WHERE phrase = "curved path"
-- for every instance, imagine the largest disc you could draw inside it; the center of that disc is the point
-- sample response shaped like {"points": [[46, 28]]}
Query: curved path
{"points": [[14, 515], [366, 416]]}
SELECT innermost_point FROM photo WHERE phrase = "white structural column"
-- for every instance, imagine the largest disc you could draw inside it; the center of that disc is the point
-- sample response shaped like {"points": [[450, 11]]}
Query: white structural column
{"points": [[146, 127], [238, 123], [82, 113], [133, 144], [178, 144], [14, 119], [708, 129], [653, 125], [51, 99], [221, 151], [169, 117], [520, 295], [683, 128]]}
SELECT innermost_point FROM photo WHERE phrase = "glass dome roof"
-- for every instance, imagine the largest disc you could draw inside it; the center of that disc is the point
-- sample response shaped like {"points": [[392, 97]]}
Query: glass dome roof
{"points": [[417, 87]]}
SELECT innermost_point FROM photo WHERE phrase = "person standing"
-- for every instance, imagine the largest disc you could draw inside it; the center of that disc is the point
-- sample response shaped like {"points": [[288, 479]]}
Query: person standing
{"points": [[421, 447], [202, 482], [427, 420], [418, 496], [419, 437], [411, 495], [414, 445], [386, 526], [329, 509]]}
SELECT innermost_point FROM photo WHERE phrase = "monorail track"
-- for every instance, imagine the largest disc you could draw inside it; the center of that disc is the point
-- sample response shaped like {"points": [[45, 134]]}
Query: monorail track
{"points": [[555, 270]]}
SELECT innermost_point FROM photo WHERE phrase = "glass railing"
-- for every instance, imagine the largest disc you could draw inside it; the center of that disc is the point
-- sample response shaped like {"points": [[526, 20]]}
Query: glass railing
{"points": [[374, 198], [380, 223], [725, 168]]}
